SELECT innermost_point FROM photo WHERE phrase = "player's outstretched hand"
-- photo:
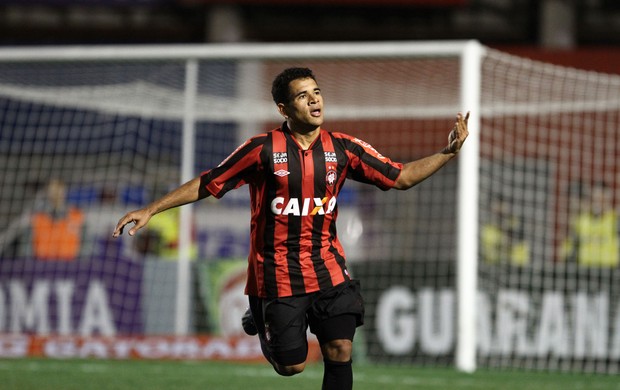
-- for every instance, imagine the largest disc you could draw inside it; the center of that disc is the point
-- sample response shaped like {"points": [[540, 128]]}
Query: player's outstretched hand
{"points": [[138, 217], [458, 134]]}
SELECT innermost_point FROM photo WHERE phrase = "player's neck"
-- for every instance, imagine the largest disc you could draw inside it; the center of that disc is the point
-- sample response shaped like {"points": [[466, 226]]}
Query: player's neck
{"points": [[305, 140], [305, 137]]}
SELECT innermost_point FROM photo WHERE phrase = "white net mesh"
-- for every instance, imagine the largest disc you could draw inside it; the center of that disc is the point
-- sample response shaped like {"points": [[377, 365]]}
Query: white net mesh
{"points": [[549, 179], [112, 132]]}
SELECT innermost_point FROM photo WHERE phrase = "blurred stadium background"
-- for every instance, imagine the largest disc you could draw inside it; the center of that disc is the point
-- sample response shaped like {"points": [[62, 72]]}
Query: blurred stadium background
{"points": [[115, 129]]}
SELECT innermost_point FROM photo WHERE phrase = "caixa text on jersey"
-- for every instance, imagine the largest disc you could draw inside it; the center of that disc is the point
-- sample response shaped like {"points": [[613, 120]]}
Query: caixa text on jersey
{"points": [[303, 207]]}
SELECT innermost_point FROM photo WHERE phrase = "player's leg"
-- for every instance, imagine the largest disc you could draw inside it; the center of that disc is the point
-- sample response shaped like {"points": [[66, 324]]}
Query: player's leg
{"points": [[282, 326], [248, 324], [334, 318], [337, 351]]}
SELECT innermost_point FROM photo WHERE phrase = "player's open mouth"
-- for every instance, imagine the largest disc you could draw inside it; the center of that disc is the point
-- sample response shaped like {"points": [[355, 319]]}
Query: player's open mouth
{"points": [[315, 113]]}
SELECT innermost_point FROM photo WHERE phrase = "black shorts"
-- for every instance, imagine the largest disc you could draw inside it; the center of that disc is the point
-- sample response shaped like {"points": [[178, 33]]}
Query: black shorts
{"points": [[331, 314]]}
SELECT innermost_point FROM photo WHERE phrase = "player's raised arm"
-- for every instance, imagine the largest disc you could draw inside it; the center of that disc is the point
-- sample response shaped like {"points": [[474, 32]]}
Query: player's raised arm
{"points": [[416, 171], [187, 193]]}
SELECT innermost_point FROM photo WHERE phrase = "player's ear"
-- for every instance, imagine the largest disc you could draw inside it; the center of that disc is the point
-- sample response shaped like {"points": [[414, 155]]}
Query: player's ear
{"points": [[282, 110]]}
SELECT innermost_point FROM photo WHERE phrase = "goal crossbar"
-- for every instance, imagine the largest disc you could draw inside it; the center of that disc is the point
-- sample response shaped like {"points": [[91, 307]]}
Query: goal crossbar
{"points": [[246, 51]]}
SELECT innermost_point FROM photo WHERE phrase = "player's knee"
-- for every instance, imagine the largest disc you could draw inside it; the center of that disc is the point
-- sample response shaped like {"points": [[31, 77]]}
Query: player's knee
{"points": [[337, 350], [289, 370], [290, 362]]}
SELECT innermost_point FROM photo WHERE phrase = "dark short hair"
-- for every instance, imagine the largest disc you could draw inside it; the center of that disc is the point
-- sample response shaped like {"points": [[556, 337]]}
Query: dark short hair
{"points": [[280, 86]]}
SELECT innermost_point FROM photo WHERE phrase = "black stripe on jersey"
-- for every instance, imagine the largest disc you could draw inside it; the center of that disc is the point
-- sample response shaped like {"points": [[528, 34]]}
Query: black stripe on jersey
{"points": [[245, 149], [322, 273], [269, 252], [385, 169], [294, 222], [230, 185]]}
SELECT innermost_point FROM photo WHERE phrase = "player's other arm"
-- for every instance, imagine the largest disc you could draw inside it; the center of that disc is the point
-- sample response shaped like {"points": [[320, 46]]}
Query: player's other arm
{"points": [[213, 182], [189, 192], [416, 171]]}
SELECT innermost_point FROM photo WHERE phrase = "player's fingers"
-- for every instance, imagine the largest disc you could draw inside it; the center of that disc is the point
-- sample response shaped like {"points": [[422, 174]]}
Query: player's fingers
{"points": [[462, 124], [458, 128], [132, 217], [118, 230], [136, 227], [460, 120]]}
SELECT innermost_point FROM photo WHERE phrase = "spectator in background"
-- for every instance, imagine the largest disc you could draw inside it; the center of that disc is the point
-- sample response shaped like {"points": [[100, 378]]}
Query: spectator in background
{"points": [[502, 236], [161, 238], [56, 227], [594, 238]]}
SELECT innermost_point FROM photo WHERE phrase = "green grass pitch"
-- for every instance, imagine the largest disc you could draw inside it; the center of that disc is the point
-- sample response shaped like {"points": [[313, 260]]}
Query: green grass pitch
{"points": [[47, 374]]}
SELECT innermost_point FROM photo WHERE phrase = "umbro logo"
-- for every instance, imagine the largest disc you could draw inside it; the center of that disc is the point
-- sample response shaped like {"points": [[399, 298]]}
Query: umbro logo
{"points": [[281, 172]]}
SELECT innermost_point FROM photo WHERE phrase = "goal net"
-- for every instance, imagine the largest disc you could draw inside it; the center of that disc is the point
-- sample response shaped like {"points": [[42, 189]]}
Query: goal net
{"points": [[112, 128], [549, 228]]}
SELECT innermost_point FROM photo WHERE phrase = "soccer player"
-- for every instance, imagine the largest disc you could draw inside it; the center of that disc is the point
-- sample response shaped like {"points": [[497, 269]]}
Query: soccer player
{"points": [[297, 274]]}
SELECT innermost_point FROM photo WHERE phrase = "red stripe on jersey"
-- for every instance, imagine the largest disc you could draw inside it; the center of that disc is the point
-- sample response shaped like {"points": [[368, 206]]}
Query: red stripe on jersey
{"points": [[281, 169], [305, 239]]}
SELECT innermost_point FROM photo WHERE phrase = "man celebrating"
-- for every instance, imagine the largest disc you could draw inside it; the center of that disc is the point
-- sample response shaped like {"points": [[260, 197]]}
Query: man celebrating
{"points": [[297, 274]]}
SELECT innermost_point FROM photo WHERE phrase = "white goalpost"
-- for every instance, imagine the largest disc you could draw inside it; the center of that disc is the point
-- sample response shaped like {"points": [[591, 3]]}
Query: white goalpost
{"points": [[467, 269], [467, 244]]}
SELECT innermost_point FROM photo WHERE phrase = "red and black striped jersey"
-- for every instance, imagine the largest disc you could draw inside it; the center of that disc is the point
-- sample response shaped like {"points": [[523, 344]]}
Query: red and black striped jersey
{"points": [[294, 248]]}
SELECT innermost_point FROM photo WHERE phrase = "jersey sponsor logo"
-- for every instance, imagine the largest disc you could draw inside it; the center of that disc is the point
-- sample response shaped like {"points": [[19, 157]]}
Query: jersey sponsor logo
{"points": [[303, 207], [330, 157], [280, 157], [331, 177], [281, 172]]}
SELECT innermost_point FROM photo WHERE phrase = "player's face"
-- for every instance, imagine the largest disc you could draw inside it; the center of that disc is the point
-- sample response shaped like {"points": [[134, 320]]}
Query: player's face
{"points": [[304, 111]]}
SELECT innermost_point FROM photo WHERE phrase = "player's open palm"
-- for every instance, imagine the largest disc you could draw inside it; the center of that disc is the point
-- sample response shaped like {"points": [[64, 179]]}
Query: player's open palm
{"points": [[458, 134]]}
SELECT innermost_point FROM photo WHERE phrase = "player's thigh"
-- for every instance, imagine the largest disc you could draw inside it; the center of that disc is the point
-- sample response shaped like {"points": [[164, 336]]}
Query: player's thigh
{"points": [[284, 326], [337, 312]]}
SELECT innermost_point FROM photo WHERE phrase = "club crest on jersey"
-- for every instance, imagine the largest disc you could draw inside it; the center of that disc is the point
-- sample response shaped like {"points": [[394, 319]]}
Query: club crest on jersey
{"points": [[331, 177], [280, 157]]}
